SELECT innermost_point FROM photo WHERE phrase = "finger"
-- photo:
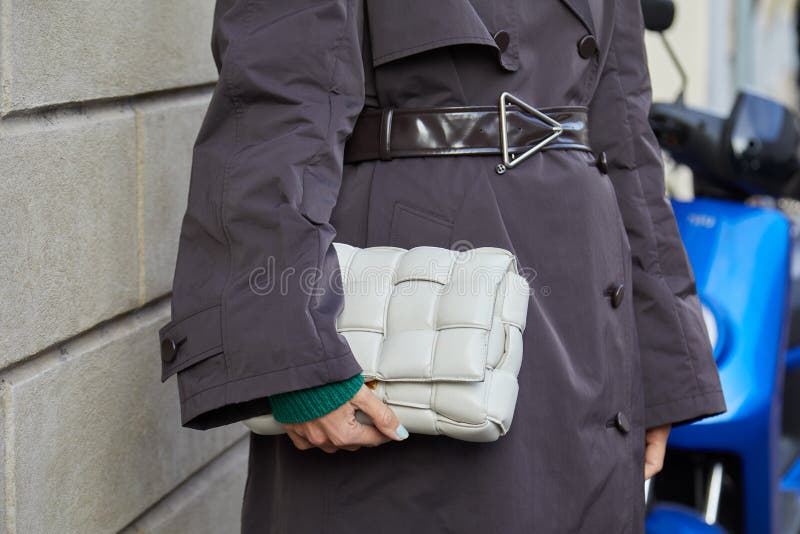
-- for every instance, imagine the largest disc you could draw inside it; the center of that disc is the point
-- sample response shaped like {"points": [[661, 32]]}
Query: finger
{"points": [[654, 460], [650, 471], [317, 437], [299, 441], [348, 435], [325, 445], [383, 417], [654, 454], [368, 436]]}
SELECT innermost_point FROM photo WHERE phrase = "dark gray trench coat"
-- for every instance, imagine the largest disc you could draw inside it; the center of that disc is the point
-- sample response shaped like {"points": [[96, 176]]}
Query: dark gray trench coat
{"points": [[269, 190]]}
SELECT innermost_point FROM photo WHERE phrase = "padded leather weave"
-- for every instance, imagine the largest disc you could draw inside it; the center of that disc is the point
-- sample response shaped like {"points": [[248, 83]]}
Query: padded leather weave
{"points": [[439, 330]]}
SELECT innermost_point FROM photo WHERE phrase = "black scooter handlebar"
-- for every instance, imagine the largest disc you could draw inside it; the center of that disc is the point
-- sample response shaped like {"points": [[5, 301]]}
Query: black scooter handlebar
{"points": [[753, 151]]}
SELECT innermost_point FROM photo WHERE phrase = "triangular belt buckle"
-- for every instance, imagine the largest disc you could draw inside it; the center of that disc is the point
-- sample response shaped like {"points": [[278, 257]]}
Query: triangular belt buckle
{"points": [[512, 160]]}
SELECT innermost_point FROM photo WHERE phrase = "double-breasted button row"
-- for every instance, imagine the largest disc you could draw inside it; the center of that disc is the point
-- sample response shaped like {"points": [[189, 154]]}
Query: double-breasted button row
{"points": [[622, 423], [508, 55], [616, 294], [587, 46], [602, 162], [502, 39]]}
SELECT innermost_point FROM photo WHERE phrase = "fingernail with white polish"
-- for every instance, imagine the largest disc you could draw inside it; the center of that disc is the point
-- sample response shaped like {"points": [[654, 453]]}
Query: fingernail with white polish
{"points": [[401, 431]]}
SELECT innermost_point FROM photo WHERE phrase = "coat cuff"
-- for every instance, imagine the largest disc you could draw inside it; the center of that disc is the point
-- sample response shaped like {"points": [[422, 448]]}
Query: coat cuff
{"points": [[685, 410], [241, 399], [311, 403]]}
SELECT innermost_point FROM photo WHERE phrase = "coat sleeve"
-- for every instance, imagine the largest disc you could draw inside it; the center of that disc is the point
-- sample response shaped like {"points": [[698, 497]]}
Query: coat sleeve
{"points": [[257, 287], [680, 378]]}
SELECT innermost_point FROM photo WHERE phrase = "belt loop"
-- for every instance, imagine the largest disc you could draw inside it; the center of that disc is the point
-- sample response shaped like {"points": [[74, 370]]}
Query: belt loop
{"points": [[384, 142]]}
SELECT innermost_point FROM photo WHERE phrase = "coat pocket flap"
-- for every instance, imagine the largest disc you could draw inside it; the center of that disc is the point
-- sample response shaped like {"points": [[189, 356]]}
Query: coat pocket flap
{"points": [[400, 29], [189, 341]]}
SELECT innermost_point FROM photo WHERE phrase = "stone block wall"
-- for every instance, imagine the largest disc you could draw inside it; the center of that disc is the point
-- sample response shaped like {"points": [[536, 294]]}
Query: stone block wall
{"points": [[100, 104]]}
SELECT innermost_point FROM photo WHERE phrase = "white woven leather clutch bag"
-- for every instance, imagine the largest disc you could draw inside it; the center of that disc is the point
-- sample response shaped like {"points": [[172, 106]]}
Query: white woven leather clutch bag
{"points": [[438, 334]]}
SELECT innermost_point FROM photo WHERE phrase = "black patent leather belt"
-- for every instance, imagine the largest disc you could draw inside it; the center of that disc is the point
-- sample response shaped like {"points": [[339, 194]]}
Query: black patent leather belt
{"points": [[513, 129]]}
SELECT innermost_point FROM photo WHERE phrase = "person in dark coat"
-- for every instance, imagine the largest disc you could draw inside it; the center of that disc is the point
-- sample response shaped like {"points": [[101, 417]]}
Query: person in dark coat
{"points": [[615, 350]]}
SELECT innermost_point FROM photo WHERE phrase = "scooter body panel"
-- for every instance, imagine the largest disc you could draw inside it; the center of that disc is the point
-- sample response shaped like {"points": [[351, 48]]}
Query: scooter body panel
{"points": [[678, 519], [740, 256]]}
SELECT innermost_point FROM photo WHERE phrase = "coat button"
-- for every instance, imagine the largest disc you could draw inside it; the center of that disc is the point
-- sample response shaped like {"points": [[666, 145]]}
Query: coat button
{"points": [[622, 423], [502, 39], [169, 349], [617, 295], [602, 162], [587, 46]]}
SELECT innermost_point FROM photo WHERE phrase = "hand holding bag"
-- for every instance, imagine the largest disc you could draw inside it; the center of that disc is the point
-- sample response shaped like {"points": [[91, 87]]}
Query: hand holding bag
{"points": [[438, 334]]}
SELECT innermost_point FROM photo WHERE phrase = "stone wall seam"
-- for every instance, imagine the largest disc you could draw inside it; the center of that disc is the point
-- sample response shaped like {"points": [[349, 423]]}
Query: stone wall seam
{"points": [[140, 203], [8, 516], [193, 485], [97, 337], [5, 59]]}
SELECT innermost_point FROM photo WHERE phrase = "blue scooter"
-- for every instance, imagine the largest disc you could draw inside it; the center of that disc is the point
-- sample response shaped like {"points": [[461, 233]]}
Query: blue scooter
{"points": [[738, 472]]}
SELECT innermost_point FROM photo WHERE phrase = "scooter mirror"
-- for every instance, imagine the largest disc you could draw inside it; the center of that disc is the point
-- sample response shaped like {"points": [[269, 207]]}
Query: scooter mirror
{"points": [[658, 14], [763, 139]]}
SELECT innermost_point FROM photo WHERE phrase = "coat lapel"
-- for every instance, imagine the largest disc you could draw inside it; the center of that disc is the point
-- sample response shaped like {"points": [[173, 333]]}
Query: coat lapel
{"points": [[582, 10]]}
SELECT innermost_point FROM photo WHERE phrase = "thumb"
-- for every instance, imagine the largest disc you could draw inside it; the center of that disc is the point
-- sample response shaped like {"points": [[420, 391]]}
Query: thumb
{"points": [[383, 417]]}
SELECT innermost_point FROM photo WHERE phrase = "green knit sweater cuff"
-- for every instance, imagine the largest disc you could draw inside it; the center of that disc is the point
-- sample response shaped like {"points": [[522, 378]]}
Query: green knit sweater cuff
{"points": [[307, 404]]}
